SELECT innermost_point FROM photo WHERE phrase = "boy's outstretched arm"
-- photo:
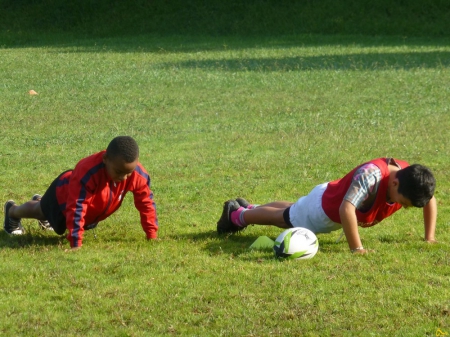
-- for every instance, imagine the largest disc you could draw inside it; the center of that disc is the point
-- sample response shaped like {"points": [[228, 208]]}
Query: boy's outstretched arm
{"points": [[429, 218], [347, 212]]}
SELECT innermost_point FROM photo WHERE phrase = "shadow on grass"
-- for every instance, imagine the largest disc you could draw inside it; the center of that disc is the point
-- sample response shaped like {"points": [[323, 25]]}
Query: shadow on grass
{"points": [[238, 245], [218, 244], [30, 239], [366, 61], [370, 60], [217, 239], [192, 44], [399, 239]]}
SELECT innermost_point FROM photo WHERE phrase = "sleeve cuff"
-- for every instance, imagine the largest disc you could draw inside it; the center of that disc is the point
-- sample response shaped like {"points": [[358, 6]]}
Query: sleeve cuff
{"points": [[152, 235]]}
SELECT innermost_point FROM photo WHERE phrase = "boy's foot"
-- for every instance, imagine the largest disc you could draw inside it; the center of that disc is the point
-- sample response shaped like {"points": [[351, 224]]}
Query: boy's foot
{"points": [[44, 224], [12, 226], [242, 202], [224, 225]]}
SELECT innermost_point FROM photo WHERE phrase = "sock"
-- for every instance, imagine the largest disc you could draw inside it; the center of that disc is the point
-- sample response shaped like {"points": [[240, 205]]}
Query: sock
{"points": [[237, 217], [251, 206]]}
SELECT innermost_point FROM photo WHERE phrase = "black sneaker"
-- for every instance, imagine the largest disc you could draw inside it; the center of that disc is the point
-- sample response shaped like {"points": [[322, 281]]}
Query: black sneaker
{"points": [[12, 226], [44, 224], [242, 202], [224, 225]]}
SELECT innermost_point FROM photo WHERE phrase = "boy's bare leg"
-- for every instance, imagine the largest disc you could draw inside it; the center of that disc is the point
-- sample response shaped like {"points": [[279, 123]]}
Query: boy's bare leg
{"points": [[238, 214], [31, 210], [269, 214], [278, 204]]}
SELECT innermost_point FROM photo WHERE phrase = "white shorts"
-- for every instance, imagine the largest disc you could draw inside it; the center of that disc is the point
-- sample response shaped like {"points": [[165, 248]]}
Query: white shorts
{"points": [[308, 213]]}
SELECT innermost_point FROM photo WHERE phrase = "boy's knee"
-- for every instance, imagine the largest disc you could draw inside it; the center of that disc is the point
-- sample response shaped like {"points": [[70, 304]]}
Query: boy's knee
{"points": [[37, 210]]}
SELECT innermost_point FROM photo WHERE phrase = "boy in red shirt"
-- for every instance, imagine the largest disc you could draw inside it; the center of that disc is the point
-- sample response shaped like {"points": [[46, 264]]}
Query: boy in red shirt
{"points": [[365, 196], [78, 199]]}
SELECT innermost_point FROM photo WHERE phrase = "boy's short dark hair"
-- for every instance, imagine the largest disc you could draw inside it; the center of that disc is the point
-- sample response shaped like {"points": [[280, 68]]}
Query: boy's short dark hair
{"points": [[124, 147], [417, 183]]}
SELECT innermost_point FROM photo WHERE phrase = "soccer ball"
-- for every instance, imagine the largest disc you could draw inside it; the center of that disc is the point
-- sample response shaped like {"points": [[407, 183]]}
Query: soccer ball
{"points": [[296, 243]]}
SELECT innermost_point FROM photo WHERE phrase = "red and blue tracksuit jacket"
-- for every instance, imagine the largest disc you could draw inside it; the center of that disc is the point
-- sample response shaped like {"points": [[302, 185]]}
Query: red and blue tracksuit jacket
{"points": [[87, 195]]}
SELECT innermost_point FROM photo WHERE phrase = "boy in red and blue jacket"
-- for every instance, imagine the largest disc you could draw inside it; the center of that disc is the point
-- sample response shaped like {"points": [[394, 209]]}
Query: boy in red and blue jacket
{"points": [[78, 199]]}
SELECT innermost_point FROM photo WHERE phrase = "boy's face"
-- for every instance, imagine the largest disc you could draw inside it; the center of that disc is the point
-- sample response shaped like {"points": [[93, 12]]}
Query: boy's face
{"points": [[118, 169], [399, 198]]}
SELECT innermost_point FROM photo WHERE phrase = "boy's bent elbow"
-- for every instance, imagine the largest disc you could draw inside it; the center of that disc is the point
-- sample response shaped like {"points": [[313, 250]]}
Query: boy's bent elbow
{"points": [[346, 208]]}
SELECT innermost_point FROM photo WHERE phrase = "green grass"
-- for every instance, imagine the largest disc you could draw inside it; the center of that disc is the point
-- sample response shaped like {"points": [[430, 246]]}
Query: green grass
{"points": [[216, 118]]}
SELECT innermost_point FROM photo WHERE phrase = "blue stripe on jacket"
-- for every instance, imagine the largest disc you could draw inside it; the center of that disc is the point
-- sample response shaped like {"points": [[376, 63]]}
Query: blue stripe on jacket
{"points": [[81, 197], [147, 177]]}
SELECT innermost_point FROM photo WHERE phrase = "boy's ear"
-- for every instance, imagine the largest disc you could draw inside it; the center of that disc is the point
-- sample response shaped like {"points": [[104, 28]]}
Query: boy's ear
{"points": [[395, 182], [104, 158]]}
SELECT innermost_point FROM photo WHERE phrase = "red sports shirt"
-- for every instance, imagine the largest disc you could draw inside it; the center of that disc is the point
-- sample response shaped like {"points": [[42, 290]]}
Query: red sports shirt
{"points": [[87, 195], [336, 190]]}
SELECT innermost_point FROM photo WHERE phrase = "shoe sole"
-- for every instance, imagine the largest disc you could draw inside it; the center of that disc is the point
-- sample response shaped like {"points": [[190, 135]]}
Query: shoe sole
{"points": [[16, 232]]}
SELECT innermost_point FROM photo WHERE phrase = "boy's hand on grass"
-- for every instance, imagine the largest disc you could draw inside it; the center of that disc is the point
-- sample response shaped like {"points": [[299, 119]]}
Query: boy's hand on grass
{"points": [[72, 249], [432, 241], [363, 251]]}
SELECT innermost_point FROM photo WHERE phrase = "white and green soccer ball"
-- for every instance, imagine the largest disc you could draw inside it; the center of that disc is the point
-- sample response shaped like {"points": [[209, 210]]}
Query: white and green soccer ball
{"points": [[296, 243]]}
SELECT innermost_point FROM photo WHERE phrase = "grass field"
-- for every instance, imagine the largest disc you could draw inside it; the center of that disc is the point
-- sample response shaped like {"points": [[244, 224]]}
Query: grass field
{"points": [[216, 118]]}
